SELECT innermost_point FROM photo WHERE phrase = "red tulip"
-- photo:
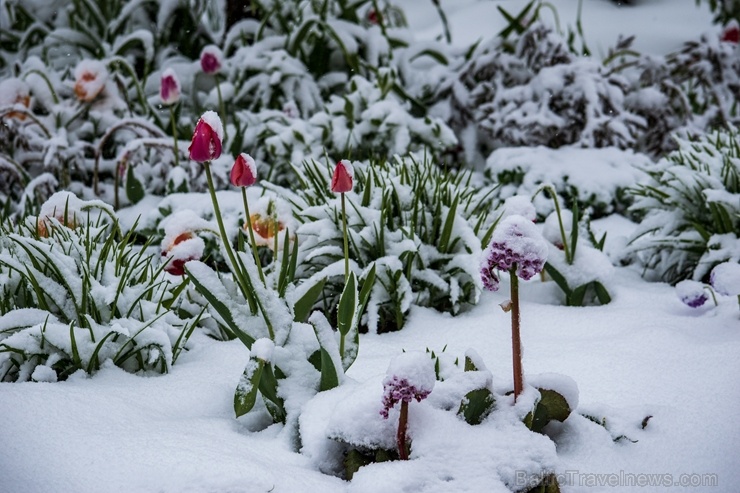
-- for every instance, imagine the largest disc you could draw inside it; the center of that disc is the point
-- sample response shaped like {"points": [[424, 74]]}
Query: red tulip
{"points": [[341, 181], [244, 171], [206, 143], [731, 34]]}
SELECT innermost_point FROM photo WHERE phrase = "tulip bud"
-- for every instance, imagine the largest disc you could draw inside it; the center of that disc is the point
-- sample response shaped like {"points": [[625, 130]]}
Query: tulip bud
{"points": [[341, 181], [731, 33], [244, 171], [169, 89], [211, 59], [206, 143]]}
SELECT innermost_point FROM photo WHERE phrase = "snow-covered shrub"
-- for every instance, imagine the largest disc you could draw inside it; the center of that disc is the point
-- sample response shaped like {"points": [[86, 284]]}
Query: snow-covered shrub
{"points": [[77, 292], [541, 94], [597, 179], [690, 208], [419, 225]]}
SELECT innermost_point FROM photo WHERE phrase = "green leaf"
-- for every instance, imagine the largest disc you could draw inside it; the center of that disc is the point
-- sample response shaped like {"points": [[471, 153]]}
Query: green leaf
{"points": [[476, 406], [329, 376], [576, 297], [601, 293], [246, 391], [551, 406], [444, 239], [347, 305], [558, 278], [220, 307], [134, 188], [302, 307]]}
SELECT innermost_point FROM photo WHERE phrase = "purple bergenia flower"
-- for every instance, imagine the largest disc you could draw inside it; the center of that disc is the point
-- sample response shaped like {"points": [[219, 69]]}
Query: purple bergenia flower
{"points": [[516, 241], [692, 293], [410, 376]]}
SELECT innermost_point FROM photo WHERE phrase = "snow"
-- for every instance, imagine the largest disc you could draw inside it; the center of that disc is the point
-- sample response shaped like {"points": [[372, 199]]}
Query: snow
{"points": [[212, 119], [725, 279], [644, 354]]}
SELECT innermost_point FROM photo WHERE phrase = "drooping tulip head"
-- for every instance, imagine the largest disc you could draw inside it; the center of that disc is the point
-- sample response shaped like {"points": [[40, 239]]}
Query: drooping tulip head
{"points": [[90, 79], [206, 143]]}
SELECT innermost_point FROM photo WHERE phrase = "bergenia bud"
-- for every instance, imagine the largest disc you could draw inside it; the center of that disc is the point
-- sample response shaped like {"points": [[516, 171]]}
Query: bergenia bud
{"points": [[516, 241], [90, 79], [410, 376], [169, 88], [244, 171], [725, 278], [731, 33], [206, 143], [691, 293], [211, 59], [341, 180]]}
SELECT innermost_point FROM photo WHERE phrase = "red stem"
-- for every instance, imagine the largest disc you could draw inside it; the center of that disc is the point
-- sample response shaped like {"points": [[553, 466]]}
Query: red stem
{"points": [[401, 435], [516, 340]]}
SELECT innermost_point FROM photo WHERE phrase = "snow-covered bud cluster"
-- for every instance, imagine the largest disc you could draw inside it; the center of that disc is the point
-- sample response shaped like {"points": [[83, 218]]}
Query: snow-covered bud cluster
{"points": [[516, 241], [692, 293], [410, 376], [725, 279], [15, 92]]}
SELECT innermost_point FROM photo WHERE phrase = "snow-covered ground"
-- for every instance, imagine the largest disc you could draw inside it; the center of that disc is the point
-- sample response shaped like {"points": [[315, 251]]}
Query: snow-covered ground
{"points": [[644, 354]]}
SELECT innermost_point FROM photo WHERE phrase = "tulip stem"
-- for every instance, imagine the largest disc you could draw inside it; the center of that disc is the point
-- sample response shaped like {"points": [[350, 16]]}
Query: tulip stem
{"points": [[242, 278], [346, 242], [251, 236], [174, 134], [516, 340]]}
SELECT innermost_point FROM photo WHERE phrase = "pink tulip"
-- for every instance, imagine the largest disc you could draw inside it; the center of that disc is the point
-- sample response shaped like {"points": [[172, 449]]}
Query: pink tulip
{"points": [[169, 88], [211, 59], [206, 143], [341, 181], [244, 171]]}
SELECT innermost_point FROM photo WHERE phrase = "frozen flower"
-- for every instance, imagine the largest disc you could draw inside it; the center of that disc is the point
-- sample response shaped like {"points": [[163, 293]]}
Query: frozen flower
{"points": [[63, 206], [169, 88], [265, 228], [244, 171], [410, 376], [341, 180], [691, 293], [725, 278], [515, 242], [731, 32], [90, 79], [211, 59], [178, 250], [206, 143], [14, 92], [372, 16]]}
